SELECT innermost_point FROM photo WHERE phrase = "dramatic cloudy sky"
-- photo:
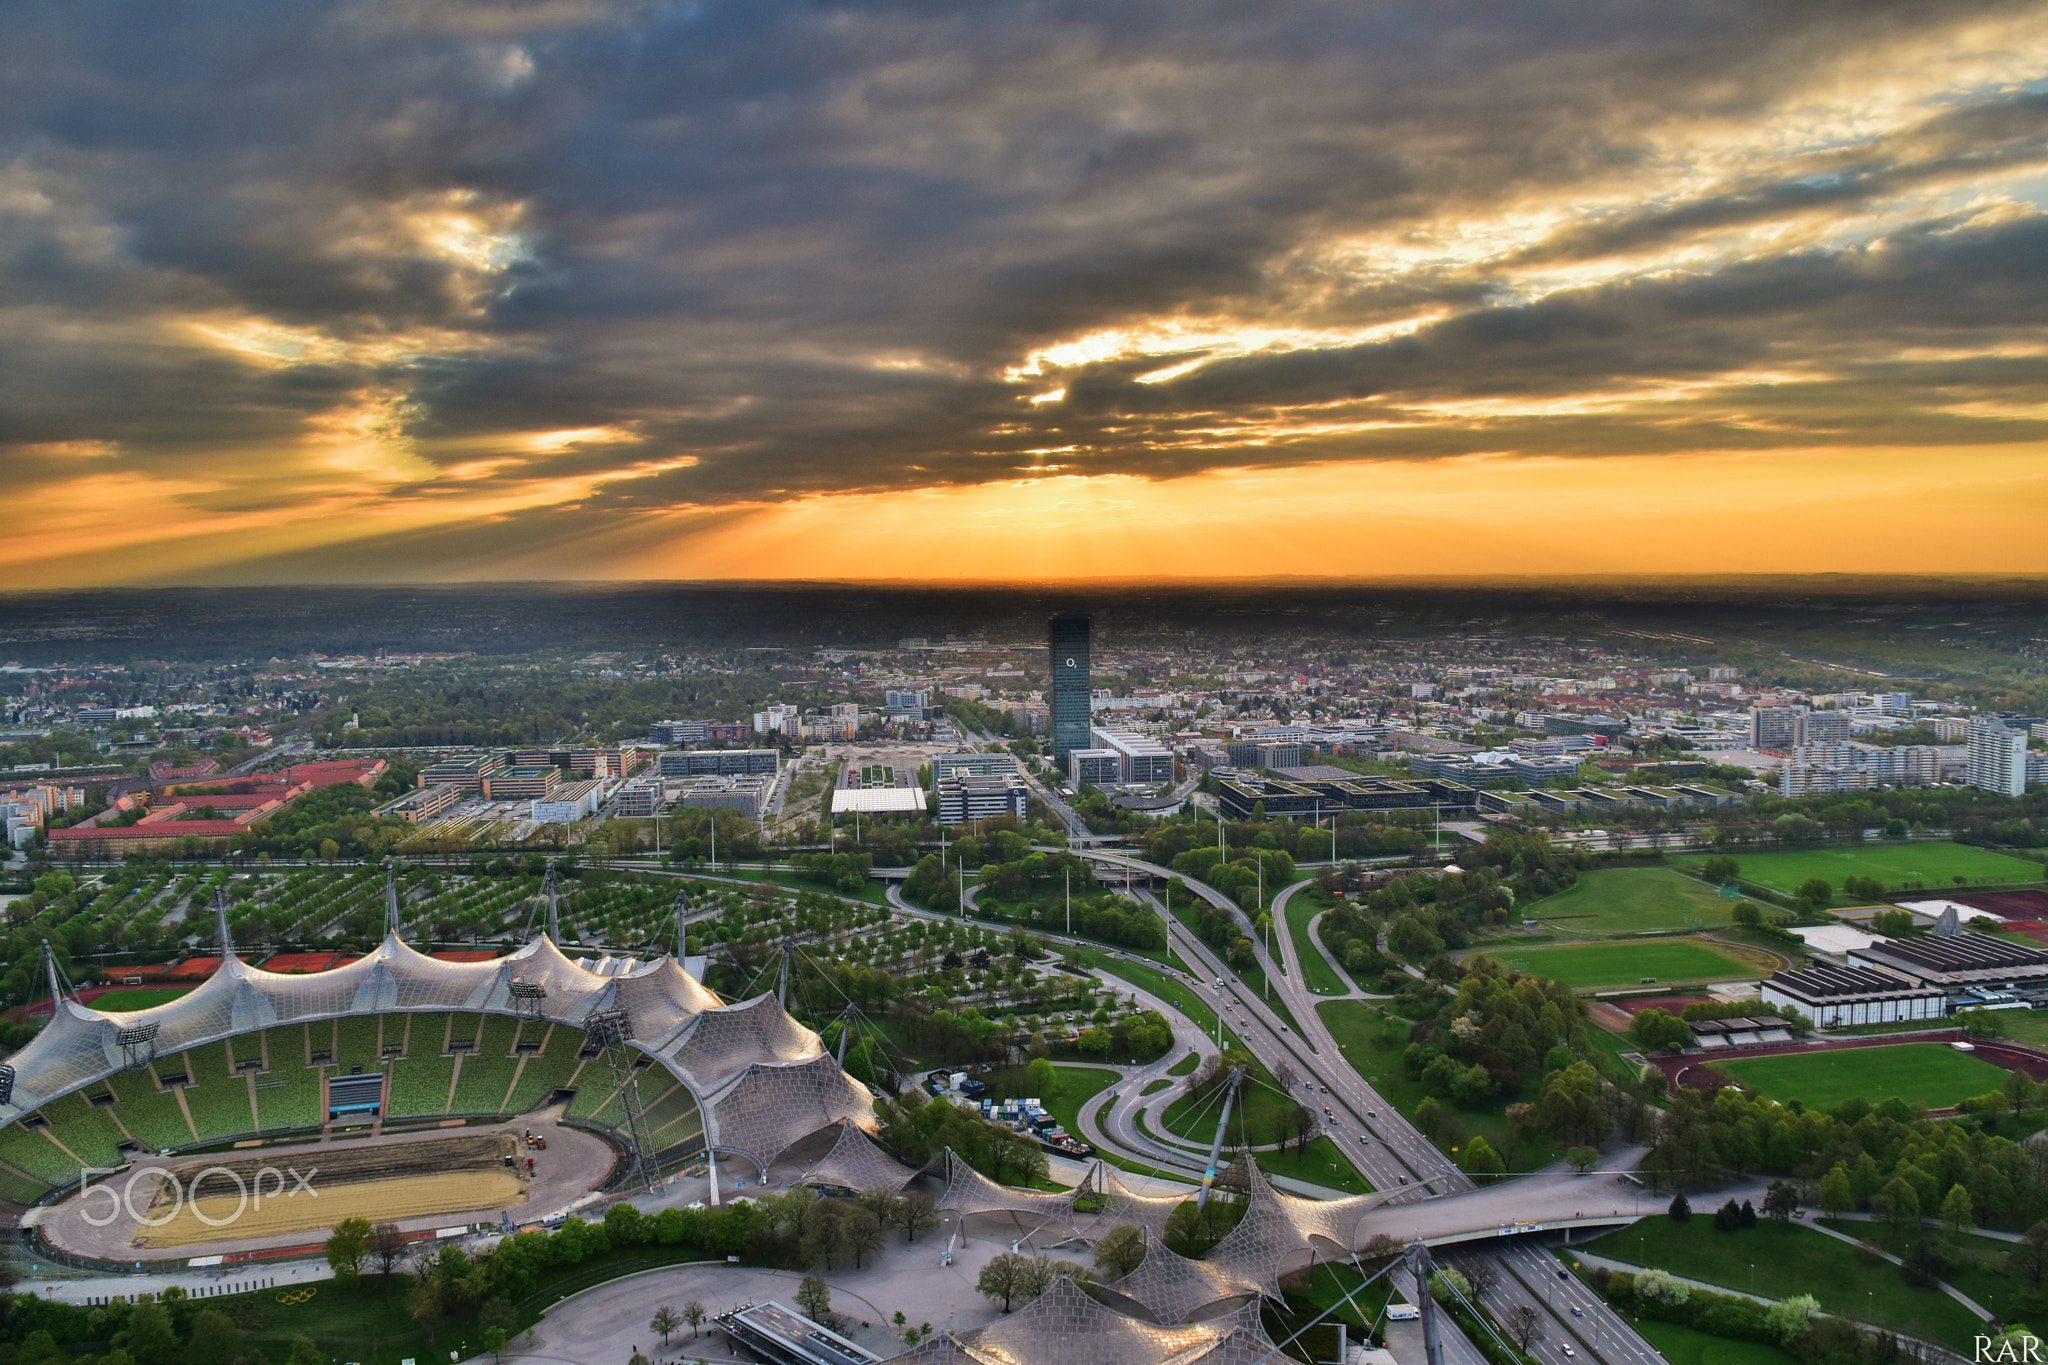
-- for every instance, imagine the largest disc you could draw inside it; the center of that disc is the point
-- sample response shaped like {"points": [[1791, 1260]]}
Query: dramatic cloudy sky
{"points": [[444, 289]]}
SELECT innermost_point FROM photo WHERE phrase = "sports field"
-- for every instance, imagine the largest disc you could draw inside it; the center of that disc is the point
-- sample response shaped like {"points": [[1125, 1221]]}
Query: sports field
{"points": [[1585, 966], [1932, 1074], [1625, 900], [1931, 865]]}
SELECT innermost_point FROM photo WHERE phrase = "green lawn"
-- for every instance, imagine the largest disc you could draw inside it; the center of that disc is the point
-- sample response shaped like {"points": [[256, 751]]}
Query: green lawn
{"points": [[1628, 900], [1144, 977], [1933, 865], [1078, 1085], [1316, 973], [1185, 1066], [1322, 1163], [1663, 960], [139, 998], [1932, 1074], [1354, 1026], [1973, 1266], [1792, 1260], [1684, 1346]]}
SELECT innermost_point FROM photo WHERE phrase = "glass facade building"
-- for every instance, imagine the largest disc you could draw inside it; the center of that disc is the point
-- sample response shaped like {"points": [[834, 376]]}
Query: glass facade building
{"points": [[1071, 694]]}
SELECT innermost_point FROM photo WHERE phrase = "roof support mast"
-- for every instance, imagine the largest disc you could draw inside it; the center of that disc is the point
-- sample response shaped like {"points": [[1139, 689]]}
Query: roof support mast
{"points": [[1235, 1080]]}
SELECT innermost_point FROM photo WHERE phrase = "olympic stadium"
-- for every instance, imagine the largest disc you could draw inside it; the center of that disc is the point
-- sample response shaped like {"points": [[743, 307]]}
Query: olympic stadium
{"points": [[643, 1064]]}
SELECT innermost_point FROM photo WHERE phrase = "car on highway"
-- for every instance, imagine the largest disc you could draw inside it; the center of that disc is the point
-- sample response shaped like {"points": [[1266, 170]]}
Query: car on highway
{"points": [[1577, 1314], [1404, 1180], [1570, 1352]]}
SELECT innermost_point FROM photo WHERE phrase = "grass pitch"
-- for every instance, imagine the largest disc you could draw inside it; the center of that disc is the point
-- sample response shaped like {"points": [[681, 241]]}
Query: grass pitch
{"points": [[1588, 966], [1932, 1074], [1934, 866], [1626, 900]]}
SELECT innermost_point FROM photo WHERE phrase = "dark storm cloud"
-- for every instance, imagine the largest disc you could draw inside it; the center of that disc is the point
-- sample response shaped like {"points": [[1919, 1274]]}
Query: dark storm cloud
{"points": [[778, 247]]}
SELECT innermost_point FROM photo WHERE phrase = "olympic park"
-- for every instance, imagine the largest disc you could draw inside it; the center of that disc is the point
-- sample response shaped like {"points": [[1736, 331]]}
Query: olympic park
{"points": [[406, 1087]]}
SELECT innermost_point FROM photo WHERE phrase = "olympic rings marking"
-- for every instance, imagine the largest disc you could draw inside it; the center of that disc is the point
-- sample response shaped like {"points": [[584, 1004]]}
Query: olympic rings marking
{"points": [[296, 1296]]}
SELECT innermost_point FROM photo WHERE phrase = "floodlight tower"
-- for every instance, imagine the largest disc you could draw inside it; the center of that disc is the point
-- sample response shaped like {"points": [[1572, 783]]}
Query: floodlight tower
{"points": [[527, 998], [1231, 1084], [138, 1045], [608, 1031]]}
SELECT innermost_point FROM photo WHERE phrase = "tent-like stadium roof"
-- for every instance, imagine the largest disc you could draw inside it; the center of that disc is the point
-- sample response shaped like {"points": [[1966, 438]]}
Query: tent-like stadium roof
{"points": [[761, 1079]]}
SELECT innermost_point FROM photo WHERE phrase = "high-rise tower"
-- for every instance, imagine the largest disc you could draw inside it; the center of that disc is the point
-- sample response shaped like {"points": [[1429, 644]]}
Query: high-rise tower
{"points": [[1070, 687]]}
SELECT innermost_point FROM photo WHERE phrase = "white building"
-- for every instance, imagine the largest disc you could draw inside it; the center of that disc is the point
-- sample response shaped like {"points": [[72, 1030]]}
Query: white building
{"points": [[568, 803], [1998, 756], [965, 797], [1835, 996], [1140, 761]]}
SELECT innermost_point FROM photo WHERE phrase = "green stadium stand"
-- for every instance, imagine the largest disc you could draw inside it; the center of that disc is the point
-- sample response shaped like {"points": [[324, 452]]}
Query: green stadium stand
{"points": [[358, 1043], [419, 1084], [219, 1101], [86, 1129], [289, 1097], [35, 1155], [673, 1119], [594, 1095], [152, 1115], [467, 1028], [19, 1189], [485, 1079], [546, 1071], [428, 1031]]}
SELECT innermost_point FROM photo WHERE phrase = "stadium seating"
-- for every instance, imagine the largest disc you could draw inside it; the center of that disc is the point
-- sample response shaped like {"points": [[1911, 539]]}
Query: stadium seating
{"points": [[594, 1095], [419, 1083], [152, 1115], [357, 1044], [289, 1096], [218, 1099], [86, 1129], [19, 1189], [546, 1071], [35, 1155], [673, 1119], [486, 1076]]}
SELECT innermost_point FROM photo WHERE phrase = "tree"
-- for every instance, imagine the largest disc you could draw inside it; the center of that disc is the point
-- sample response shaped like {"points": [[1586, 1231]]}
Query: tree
{"points": [[1721, 868], [1781, 1201], [1957, 1215], [1483, 1273], [305, 1351], [1897, 1203], [1006, 1278], [494, 1341], [1043, 1077], [215, 1340], [913, 1213], [1817, 890], [1582, 1159], [694, 1314], [1525, 1325], [1656, 1030], [666, 1321], [347, 1247], [1121, 1251], [387, 1245], [1681, 1208], [860, 1235], [1482, 1161], [2027, 1262], [1836, 1195], [1787, 1318], [814, 1296]]}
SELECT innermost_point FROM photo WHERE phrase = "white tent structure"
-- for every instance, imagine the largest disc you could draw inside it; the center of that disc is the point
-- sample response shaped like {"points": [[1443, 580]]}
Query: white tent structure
{"points": [[761, 1080]]}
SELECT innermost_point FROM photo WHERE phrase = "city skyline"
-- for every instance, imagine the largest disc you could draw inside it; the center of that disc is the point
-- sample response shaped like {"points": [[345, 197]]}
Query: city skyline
{"points": [[589, 291]]}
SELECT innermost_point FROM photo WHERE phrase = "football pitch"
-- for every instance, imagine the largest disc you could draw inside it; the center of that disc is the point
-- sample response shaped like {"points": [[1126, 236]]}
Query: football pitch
{"points": [[1585, 966], [1932, 1074], [1932, 865], [1625, 900]]}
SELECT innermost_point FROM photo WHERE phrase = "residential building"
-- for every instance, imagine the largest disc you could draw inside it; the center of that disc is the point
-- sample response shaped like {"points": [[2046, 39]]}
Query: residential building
{"points": [[1069, 638], [1823, 727], [1949, 729], [1775, 727], [1804, 779], [965, 797], [1998, 757], [909, 702]]}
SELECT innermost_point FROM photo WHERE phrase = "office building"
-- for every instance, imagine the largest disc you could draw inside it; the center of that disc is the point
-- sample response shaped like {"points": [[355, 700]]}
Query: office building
{"points": [[1096, 767], [1264, 753], [1069, 639], [1142, 762], [672, 732], [641, 798], [1998, 757], [568, 803], [742, 793], [522, 784], [716, 762], [467, 773], [966, 797], [422, 804], [973, 765]]}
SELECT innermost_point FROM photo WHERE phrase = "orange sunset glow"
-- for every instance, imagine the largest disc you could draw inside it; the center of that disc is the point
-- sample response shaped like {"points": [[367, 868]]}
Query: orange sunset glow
{"points": [[591, 291]]}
